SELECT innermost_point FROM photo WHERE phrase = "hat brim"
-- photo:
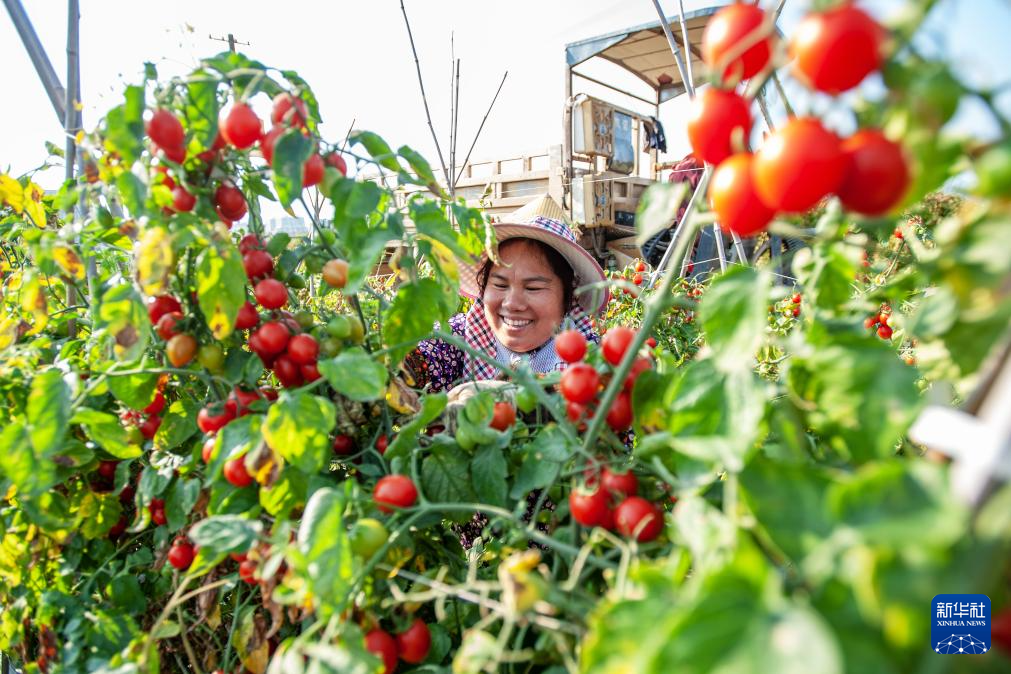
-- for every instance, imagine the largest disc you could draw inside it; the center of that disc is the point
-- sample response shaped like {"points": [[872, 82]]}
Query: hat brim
{"points": [[586, 269]]}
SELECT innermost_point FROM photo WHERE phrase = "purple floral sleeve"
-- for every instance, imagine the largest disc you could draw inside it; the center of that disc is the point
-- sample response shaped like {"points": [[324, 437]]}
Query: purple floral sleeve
{"points": [[436, 364]]}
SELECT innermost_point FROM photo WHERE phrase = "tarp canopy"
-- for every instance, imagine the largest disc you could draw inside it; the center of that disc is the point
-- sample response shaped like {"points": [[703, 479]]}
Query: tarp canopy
{"points": [[644, 51]]}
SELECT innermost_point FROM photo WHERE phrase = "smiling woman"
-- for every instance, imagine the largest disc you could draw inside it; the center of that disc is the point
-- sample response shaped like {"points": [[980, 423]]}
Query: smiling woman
{"points": [[523, 298]]}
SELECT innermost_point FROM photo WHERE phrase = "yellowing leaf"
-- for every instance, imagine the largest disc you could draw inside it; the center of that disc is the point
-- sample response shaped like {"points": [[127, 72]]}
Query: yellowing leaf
{"points": [[445, 259], [67, 259], [33, 300], [155, 260], [33, 204], [221, 284], [11, 193], [8, 331]]}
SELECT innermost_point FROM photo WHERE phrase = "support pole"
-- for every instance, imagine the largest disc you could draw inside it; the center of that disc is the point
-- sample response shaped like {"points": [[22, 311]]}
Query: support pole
{"points": [[665, 260], [54, 89], [71, 124]]}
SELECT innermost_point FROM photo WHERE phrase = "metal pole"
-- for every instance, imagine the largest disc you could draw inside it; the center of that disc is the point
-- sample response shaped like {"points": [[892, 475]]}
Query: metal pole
{"points": [[684, 41], [70, 126], [665, 260], [685, 77], [43, 67]]}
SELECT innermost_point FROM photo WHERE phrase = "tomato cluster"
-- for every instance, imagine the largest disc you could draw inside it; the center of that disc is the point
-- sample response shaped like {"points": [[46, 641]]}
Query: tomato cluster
{"points": [[801, 162], [881, 322], [610, 501], [411, 645]]}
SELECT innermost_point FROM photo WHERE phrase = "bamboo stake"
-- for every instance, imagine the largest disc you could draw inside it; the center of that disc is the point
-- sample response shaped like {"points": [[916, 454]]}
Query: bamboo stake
{"points": [[477, 135], [421, 83]]}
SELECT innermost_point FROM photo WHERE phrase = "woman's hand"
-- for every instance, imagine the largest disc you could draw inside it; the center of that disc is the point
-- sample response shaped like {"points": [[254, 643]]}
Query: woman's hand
{"points": [[458, 395]]}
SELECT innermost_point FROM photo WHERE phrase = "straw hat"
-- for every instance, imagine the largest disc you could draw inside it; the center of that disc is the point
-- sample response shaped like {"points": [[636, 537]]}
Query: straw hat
{"points": [[544, 220]]}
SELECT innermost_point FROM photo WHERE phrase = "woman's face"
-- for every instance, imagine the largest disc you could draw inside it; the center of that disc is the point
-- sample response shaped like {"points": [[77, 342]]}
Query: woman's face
{"points": [[523, 298]]}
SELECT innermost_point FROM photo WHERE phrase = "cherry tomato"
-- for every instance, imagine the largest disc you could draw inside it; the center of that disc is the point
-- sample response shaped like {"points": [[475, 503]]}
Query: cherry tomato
{"points": [[175, 154], [570, 345], [733, 198], [526, 400], [504, 416], [161, 305], [183, 201], [273, 337], [107, 469], [619, 484], [367, 536], [207, 451], [181, 554], [247, 316], [215, 416], [258, 264], [150, 426], [166, 326], [157, 510], [241, 127], [725, 34], [615, 343], [588, 508], [303, 349], [414, 642], [796, 298], [247, 571], [181, 349], [336, 161], [335, 273], [312, 171], [579, 383], [165, 130], [833, 51], [230, 201], [343, 444], [236, 473], [394, 491], [267, 143], [287, 371], [211, 357], [639, 365], [619, 417], [885, 332], [271, 293], [289, 110], [636, 514], [382, 442], [716, 115], [877, 175], [118, 528], [640, 266], [380, 643], [157, 405], [798, 165], [576, 411], [250, 242]]}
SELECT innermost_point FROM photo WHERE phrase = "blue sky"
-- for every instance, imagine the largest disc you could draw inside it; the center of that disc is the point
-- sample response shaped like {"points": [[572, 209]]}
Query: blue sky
{"points": [[357, 58]]}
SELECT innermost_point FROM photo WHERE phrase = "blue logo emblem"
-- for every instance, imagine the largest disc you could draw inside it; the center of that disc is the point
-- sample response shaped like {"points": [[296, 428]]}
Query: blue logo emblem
{"points": [[960, 624]]}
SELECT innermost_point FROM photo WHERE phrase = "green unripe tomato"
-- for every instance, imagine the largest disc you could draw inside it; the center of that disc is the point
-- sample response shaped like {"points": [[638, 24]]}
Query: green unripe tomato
{"points": [[295, 281], [305, 319], [314, 264], [134, 436], [329, 347], [211, 357], [339, 327], [357, 335], [367, 536], [329, 237], [526, 401], [993, 169]]}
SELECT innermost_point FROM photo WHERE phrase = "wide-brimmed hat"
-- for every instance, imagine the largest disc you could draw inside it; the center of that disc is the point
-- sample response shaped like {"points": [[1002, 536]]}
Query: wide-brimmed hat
{"points": [[544, 220]]}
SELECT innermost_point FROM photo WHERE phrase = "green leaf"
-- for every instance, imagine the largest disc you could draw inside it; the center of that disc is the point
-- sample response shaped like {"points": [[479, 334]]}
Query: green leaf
{"points": [[132, 191], [325, 559], [377, 149], [122, 318], [136, 391], [235, 439], [291, 150], [107, 432], [827, 275], [415, 309], [658, 208], [734, 316], [298, 428], [541, 461], [707, 533], [421, 168], [202, 109], [124, 126], [355, 374], [287, 493], [445, 473], [48, 411], [226, 533], [490, 475], [278, 243], [431, 407], [221, 285], [179, 424], [124, 591], [179, 502], [97, 513]]}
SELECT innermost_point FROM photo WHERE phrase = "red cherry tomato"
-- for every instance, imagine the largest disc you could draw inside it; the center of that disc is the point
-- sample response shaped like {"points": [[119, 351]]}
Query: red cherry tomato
{"points": [[258, 264], [267, 143], [639, 365], [715, 116], [619, 417], [273, 337], [725, 34], [798, 165], [215, 416], [380, 643], [247, 317], [157, 405], [619, 484], [414, 642], [303, 349], [287, 371], [833, 51], [635, 516], [382, 442], [570, 345], [247, 571], [241, 126], [289, 110], [271, 293], [165, 130], [640, 266], [343, 444], [877, 175], [236, 473], [157, 510], [250, 242], [504, 416], [579, 383], [242, 399], [182, 201], [885, 332], [181, 554], [394, 491], [588, 508], [733, 198], [575, 411], [336, 161], [207, 451], [161, 305], [166, 326], [150, 426], [310, 372], [312, 171], [107, 469], [615, 343], [230, 202]]}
